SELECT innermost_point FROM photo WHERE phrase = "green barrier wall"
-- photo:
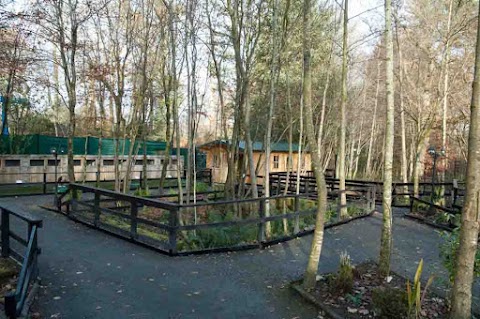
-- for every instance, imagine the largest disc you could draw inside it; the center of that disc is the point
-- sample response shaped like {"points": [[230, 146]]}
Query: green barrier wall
{"points": [[42, 144]]}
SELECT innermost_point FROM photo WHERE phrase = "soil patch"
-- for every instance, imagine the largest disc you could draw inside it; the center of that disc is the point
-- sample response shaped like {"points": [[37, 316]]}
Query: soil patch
{"points": [[369, 296]]}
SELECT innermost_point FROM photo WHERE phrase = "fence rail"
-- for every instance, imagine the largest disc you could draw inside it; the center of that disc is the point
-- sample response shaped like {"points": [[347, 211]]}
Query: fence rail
{"points": [[281, 181], [186, 228], [48, 184], [15, 300]]}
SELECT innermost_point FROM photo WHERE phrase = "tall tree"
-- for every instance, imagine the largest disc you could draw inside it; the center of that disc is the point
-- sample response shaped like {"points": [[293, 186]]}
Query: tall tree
{"points": [[343, 118], [271, 107], [309, 279], [386, 240], [462, 287]]}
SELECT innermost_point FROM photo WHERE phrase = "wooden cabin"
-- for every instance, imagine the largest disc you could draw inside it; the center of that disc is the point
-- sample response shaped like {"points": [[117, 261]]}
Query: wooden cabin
{"points": [[216, 152]]}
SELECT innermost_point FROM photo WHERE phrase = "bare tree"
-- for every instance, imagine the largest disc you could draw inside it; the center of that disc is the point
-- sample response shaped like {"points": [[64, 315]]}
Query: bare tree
{"points": [[462, 288], [309, 279], [386, 241]]}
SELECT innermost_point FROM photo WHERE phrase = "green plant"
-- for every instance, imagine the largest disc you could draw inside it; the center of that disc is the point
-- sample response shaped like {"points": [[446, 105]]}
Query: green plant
{"points": [[355, 299], [330, 215], [419, 206], [415, 296], [449, 219], [355, 211], [344, 279], [390, 303], [201, 187], [448, 253], [141, 192]]}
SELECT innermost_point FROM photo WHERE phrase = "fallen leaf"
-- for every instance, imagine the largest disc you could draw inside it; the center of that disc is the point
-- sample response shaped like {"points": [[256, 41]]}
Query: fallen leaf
{"points": [[352, 310]]}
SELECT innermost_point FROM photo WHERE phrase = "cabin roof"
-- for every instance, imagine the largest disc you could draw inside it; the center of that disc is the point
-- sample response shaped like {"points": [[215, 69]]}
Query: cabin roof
{"points": [[257, 146]]}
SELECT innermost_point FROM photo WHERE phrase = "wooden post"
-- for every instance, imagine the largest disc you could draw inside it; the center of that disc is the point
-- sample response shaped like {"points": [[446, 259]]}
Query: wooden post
{"points": [[279, 185], [10, 305], [411, 204], [296, 226], [5, 233], [394, 196], [307, 182], [172, 233], [96, 209], [44, 182], [261, 224], [133, 219], [210, 181]]}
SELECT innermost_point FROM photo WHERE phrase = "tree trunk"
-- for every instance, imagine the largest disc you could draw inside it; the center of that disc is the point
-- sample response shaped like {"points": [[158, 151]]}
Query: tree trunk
{"points": [[368, 167], [462, 287], [343, 119], [268, 137], [309, 280], [404, 162], [386, 241]]}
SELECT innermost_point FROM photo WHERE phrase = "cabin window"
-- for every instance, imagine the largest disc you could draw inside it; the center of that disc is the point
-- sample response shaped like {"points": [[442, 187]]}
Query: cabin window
{"points": [[53, 162], [288, 163], [12, 163], [216, 160], [37, 162], [276, 161], [138, 162], [77, 162], [91, 162], [107, 162]]}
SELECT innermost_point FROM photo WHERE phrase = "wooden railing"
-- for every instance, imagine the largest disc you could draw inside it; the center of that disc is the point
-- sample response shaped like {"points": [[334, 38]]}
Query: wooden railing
{"points": [[15, 300], [180, 228], [48, 184], [279, 181]]}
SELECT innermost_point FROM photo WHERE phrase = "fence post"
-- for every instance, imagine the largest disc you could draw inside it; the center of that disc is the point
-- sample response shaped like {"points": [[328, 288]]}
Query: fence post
{"points": [[5, 233], [210, 181], [10, 305], [133, 219], [261, 224], [411, 204], [394, 193], [172, 233], [96, 209], [279, 185], [44, 182], [307, 184], [296, 226]]}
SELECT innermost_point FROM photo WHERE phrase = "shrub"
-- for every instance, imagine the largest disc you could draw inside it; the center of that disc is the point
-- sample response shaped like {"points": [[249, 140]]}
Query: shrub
{"points": [[142, 192], [343, 281], [448, 253], [390, 303], [202, 187]]}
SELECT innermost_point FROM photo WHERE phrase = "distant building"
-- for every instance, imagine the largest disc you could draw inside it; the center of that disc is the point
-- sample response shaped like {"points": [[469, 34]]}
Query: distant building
{"points": [[216, 158], [29, 158]]}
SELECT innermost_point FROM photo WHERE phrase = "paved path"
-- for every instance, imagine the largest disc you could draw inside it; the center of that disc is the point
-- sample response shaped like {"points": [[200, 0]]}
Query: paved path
{"points": [[88, 274]]}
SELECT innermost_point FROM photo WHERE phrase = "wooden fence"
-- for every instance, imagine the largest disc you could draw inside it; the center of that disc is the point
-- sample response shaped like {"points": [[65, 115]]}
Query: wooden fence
{"points": [[280, 181], [15, 300], [208, 226]]}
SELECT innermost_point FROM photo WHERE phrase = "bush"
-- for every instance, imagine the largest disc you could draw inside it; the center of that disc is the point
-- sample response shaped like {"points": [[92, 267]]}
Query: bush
{"points": [[448, 253], [343, 281], [390, 303]]}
